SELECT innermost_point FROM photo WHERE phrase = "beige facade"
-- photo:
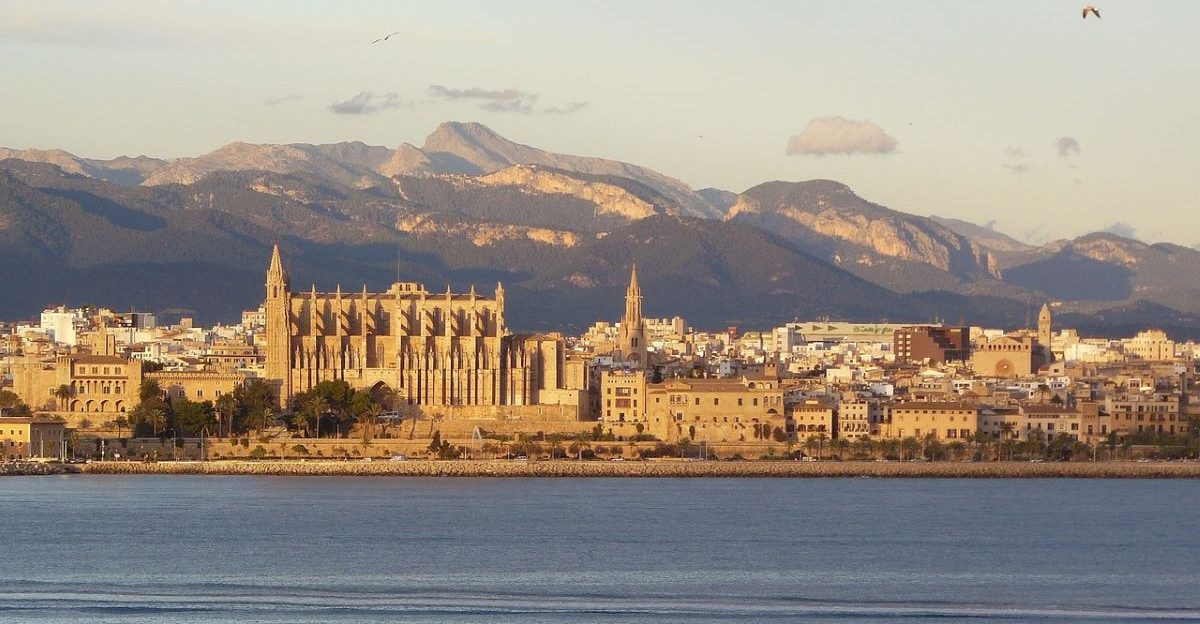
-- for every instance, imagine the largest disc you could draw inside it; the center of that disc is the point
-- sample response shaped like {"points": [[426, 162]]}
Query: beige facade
{"points": [[32, 438], [99, 384], [1137, 413], [435, 350], [813, 417], [1050, 419], [708, 410], [1005, 357], [622, 396], [1150, 345], [231, 356], [859, 417], [945, 420], [718, 410], [197, 385]]}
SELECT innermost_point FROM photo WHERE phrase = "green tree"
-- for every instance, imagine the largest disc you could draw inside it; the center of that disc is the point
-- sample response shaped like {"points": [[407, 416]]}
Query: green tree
{"points": [[839, 446], [582, 441], [156, 417], [63, 393], [1035, 444], [1112, 441], [253, 398], [909, 447], [191, 417], [11, 405], [121, 422], [226, 409], [149, 389], [1008, 431]]}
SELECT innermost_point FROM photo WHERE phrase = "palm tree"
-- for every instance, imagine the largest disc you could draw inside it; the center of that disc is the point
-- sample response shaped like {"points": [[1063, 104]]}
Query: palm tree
{"points": [[864, 445], [840, 445], [261, 419], [822, 437], [149, 389], [64, 392], [121, 422], [371, 417], [1111, 441], [811, 442], [156, 417], [391, 398], [226, 408], [1007, 431], [1036, 443], [582, 440]]}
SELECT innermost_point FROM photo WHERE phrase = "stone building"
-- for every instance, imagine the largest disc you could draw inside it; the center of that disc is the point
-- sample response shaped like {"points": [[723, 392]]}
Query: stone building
{"points": [[406, 344], [945, 420], [32, 438], [814, 417], [199, 386], [1006, 357], [1151, 345], [708, 410], [100, 385]]}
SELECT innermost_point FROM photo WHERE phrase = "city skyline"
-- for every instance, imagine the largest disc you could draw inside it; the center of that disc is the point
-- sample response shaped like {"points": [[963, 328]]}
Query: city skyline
{"points": [[1040, 124]]}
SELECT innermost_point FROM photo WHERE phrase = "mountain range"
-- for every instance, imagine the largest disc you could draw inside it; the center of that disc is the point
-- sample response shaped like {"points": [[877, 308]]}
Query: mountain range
{"points": [[192, 236]]}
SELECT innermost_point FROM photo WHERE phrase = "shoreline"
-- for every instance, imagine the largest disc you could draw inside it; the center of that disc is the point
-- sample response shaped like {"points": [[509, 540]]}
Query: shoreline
{"points": [[656, 469]]}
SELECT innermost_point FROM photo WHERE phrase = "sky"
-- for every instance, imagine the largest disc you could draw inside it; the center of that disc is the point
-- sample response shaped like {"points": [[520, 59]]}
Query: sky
{"points": [[1019, 115]]}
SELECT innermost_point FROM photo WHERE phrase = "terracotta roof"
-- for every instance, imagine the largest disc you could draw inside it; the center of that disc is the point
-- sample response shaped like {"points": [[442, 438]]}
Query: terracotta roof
{"points": [[101, 359], [935, 405]]}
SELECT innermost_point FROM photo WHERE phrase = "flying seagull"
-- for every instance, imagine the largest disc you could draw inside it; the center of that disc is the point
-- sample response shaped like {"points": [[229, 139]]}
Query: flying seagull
{"points": [[1091, 9], [389, 36]]}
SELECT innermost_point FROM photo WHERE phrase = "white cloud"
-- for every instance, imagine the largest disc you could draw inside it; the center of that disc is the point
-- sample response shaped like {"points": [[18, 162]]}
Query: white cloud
{"points": [[838, 135]]}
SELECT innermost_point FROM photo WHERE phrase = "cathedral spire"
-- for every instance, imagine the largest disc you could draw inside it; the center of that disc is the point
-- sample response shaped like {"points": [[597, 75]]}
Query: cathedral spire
{"points": [[631, 346], [633, 300], [278, 281]]}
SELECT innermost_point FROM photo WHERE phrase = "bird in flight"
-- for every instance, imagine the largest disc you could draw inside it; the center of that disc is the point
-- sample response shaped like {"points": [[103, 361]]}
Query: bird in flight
{"points": [[385, 38], [1091, 9]]}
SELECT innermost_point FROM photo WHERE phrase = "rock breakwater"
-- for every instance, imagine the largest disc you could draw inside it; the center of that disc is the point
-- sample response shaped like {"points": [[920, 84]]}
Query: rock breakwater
{"points": [[477, 468]]}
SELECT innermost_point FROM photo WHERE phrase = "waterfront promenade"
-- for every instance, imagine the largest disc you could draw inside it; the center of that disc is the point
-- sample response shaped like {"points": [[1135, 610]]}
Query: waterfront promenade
{"points": [[658, 468]]}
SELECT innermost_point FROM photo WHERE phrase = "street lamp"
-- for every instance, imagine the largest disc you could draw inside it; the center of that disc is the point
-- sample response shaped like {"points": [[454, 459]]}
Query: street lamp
{"points": [[203, 433]]}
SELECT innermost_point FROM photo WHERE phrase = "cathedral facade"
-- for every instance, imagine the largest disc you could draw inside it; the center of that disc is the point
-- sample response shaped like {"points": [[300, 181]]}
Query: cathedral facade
{"points": [[405, 345]]}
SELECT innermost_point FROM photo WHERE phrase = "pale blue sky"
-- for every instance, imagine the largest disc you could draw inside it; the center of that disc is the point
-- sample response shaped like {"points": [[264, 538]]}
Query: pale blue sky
{"points": [[975, 93]]}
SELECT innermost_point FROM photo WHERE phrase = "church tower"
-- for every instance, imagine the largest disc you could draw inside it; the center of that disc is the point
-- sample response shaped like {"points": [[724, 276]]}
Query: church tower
{"points": [[279, 332], [1044, 332], [631, 344]]}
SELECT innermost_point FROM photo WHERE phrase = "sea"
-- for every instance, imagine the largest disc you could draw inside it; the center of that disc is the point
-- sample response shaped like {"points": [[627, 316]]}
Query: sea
{"points": [[200, 549]]}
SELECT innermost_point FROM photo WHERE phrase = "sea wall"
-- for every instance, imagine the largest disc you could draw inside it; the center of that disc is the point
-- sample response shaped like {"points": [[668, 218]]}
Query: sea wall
{"points": [[662, 468], [20, 469]]}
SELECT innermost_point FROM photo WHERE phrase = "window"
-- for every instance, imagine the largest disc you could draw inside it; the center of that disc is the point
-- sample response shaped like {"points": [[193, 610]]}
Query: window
{"points": [[716, 401], [199, 393], [739, 402]]}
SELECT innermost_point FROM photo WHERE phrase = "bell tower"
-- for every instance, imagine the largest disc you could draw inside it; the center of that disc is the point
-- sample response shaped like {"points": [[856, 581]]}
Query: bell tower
{"points": [[1044, 333], [277, 307], [632, 342]]}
